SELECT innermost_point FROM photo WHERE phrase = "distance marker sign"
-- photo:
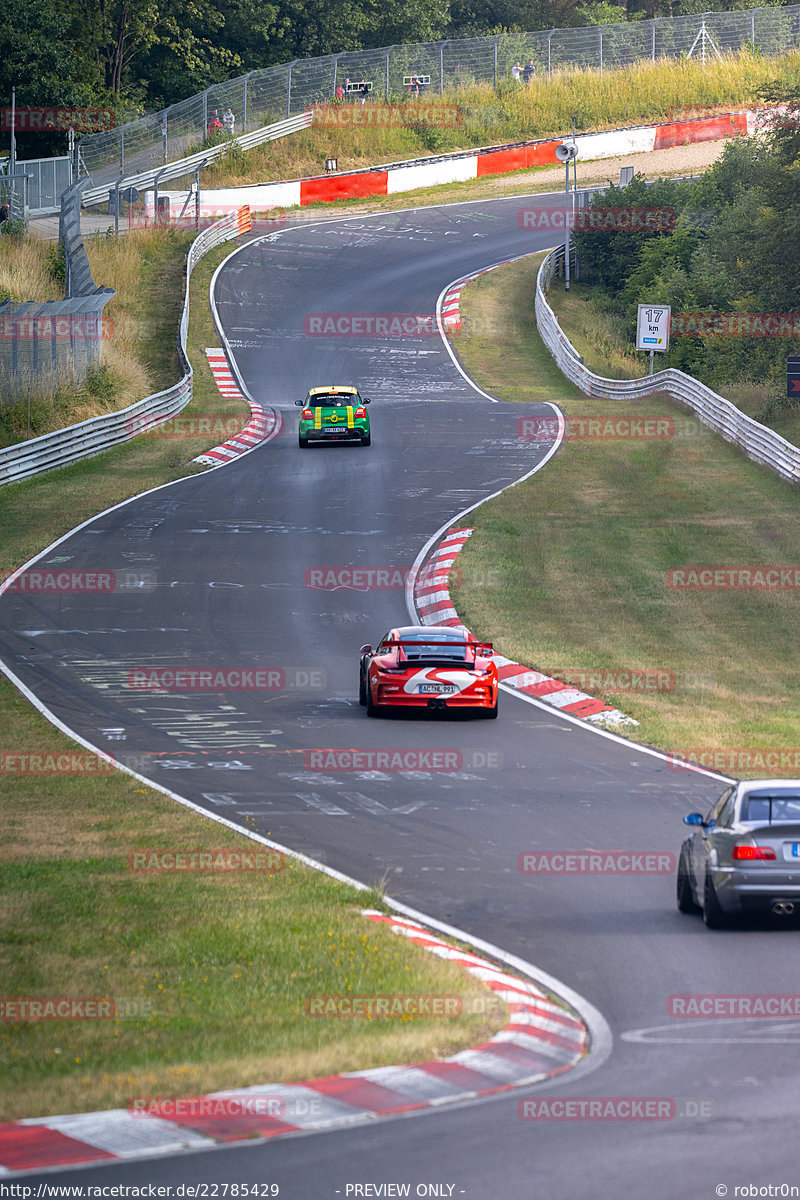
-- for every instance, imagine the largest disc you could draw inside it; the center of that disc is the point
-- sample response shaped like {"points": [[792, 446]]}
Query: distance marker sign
{"points": [[793, 376], [652, 327]]}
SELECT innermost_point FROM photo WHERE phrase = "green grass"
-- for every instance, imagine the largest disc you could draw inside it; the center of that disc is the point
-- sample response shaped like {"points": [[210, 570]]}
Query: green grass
{"points": [[209, 973], [572, 564], [212, 971]]}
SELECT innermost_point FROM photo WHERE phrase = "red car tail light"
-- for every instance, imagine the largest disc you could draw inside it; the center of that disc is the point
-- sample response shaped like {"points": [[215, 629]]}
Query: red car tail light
{"points": [[360, 412], [308, 414], [748, 852]]}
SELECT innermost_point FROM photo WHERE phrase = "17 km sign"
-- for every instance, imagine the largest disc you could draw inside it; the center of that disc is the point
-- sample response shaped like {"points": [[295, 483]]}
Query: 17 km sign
{"points": [[652, 327]]}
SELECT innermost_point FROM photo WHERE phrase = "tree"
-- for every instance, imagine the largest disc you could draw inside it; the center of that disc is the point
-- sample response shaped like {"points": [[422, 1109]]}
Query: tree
{"points": [[47, 68]]}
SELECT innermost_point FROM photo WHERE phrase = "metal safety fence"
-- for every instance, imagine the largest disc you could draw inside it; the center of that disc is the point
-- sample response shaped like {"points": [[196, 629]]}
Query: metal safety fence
{"points": [[44, 343], [759, 443], [263, 97], [42, 182], [91, 437], [193, 163]]}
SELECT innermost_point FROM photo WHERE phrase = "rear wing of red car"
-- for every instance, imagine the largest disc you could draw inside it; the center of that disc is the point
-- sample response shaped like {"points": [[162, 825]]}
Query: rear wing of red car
{"points": [[482, 649]]}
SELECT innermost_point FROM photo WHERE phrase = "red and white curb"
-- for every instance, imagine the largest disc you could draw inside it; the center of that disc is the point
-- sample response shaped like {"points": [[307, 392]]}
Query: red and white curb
{"points": [[451, 301], [392, 178], [540, 1040], [262, 424], [435, 607], [451, 317]]}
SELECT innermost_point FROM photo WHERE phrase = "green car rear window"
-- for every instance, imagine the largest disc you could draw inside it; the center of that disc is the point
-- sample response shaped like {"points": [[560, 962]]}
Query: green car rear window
{"points": [[333, 400]]}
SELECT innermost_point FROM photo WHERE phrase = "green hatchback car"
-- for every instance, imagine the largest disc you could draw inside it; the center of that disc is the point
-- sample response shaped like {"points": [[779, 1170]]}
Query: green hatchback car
{"points": [[333, 414]]}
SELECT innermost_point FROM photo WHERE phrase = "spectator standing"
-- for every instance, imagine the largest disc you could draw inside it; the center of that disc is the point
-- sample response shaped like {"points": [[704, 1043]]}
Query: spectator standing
{"points": [[363, 92], [516, 73], [347, 88], [214, 123], [229, 121], [529, 71], [339, 93], [5, 213]]}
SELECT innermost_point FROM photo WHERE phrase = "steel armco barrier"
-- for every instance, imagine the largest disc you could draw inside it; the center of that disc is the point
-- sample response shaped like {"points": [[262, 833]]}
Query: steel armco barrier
{"points": [[91, 437], [184, 166], [759, 443]]}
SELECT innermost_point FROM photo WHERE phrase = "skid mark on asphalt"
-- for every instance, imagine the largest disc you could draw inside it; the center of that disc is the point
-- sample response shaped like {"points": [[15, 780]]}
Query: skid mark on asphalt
{"points": [[722, 1031]]}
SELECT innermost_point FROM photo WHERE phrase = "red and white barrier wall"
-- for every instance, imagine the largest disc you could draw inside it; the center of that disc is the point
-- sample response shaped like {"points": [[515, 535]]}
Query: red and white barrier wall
{"points": [[406, 177]]}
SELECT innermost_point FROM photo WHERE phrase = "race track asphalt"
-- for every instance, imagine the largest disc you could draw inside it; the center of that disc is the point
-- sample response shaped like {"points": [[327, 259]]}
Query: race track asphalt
{"points": [[229, 553]]}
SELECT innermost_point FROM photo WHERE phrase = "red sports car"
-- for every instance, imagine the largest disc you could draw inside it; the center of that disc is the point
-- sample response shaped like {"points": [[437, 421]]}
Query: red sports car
{"points": [[428, 666]]}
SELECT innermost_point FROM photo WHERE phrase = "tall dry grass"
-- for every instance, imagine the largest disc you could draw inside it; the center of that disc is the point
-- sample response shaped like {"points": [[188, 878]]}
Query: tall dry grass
{"points": [[482, 116], [25, 272], [145, 270]]}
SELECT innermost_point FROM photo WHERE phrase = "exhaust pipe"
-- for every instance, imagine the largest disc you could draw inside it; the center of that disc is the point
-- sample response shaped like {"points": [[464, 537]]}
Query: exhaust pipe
{"points": [[783, 908], [436, 705]]}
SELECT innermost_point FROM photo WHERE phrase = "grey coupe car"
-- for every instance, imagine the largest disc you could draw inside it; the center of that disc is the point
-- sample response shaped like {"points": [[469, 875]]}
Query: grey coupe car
{"points": [[744, 857]]}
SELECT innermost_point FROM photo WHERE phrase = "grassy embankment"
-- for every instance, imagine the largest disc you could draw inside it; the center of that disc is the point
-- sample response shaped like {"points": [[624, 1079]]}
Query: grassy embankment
{"points": [[482, 116], [606, 343], [209, 972], [139, 356], [579, 555]]}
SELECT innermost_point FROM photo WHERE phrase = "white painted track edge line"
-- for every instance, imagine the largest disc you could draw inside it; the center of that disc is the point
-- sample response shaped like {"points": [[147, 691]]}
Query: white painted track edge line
{"points": [[415, 570]]}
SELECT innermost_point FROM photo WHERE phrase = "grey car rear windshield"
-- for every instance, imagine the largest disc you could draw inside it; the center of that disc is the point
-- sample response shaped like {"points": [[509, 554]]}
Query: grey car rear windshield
{"points": [[771, 808]]}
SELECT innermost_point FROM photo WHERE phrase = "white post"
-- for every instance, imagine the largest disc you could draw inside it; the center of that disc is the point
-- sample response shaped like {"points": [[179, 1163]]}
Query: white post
{"points": [[566, 226]]}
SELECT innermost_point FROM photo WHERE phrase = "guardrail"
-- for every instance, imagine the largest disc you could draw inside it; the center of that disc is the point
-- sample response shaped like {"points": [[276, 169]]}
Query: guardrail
{"points": [[759, 443], [91, 437], [184, 166]]}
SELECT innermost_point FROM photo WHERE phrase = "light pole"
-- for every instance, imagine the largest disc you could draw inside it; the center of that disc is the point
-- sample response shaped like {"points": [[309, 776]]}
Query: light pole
{"points": [[567, 152]]}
